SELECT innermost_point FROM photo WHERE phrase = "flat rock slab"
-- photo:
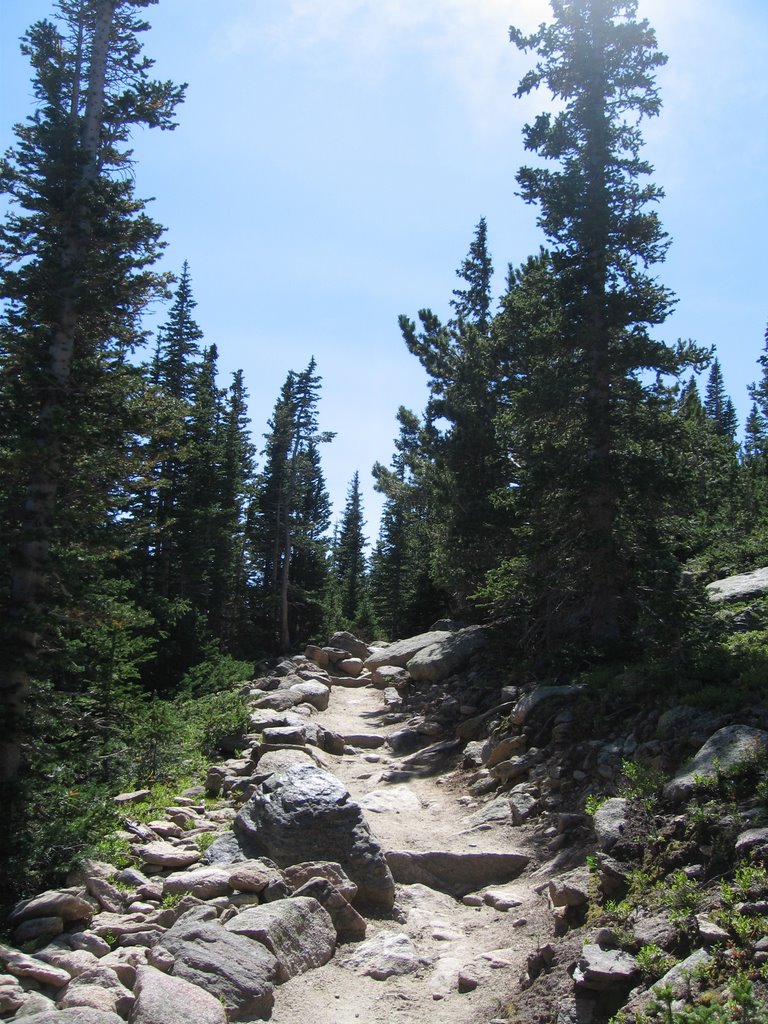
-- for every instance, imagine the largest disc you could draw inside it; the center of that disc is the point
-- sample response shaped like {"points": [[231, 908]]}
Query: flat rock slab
{"points": [[67, 904], [165, 855], [395, 800], [728, 747], [232, 968], [401, 652], [305, 813], [742, 587], [298, 932], [605, 970], [161, 999], [455, 873], [386, 955], [74, 1015]]}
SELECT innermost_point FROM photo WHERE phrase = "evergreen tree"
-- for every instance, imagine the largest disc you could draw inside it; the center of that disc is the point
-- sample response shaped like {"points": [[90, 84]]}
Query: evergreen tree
{"points": [[466, 467], [349, 560], [403, 594], [614, 428], [293, 509], [77, 248], [718, 406]]}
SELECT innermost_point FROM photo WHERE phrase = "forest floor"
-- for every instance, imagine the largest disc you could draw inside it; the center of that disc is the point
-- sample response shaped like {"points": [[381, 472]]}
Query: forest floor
{"points": [[428, 813]]}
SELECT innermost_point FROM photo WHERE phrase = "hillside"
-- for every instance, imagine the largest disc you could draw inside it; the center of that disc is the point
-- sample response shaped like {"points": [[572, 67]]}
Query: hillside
{"points": [[404, 835]]}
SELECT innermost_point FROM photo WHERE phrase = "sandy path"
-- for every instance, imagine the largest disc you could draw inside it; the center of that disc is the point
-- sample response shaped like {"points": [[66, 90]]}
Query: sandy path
{"points": [[427, 813]]}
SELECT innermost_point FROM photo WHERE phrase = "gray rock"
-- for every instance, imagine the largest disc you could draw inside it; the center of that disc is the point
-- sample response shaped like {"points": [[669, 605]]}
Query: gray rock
{"points": [[570, 889], [165, 855], [205, 883], [405, 741], [254, 876], [545, 697], [229, 966], [610, 821], [272, 762], [455, 873], [443, 657], [365, 740], [386, 955], [298, 932], [739, 588], [350, 926], [389, 675], [278, 700], [347, 642], [604, 970], [37, 928], [161, 999], [433, 757], [224, 850], [315, 693], [67, 904], [73, 1015], [728, 747], [299, 874], [754, 840], [20, 965], [401, 652], [293, 735], [306, 813], [99, 988], [393, 800]]}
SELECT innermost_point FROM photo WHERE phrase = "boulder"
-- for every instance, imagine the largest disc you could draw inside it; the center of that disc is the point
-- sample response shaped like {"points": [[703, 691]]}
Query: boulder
{"points": [[728, 747], [443, 657], [350, 926], [315, 693], [100, 989], [386, 955], [455, 873], [205, 882], [12, 995], [610, 822], [605, 970], [161, 999], [389, 675], [347, 642], [273, 762], [230, 967], [741, 587], [20, 965], [401, 652], [299, 874], [165, 855], [74, 1015], [67, 904], [298, 932], [306, 813], [543, 699], [570, 889]]}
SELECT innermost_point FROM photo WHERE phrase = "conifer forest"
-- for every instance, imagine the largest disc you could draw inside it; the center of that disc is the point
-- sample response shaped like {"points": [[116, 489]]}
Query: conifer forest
{"points": [[571, 475]]}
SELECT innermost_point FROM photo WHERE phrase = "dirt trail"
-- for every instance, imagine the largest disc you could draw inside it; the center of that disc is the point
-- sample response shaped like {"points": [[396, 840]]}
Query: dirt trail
{"points": [[422, 814]]}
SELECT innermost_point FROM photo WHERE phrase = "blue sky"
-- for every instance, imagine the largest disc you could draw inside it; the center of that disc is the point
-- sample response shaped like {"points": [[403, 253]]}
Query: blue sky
{"points": [[334, 156]]}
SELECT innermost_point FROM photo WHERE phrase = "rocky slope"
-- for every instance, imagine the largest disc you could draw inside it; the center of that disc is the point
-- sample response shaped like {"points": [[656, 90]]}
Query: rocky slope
{"points": [[404, 836]]}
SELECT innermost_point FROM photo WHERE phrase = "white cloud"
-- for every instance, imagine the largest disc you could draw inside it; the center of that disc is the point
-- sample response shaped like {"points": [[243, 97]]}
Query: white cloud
{"points": [[465, 42]]}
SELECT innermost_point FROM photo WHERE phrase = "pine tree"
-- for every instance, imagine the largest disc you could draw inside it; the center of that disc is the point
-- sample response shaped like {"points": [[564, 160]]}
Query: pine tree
{"points": [[77, 250], [293, 508], [350, 561], [466, 465], [603, 477], [718, 406], [404, 596]]}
